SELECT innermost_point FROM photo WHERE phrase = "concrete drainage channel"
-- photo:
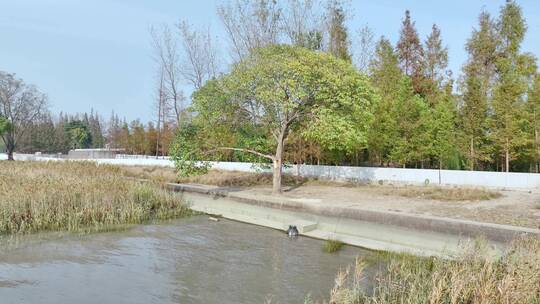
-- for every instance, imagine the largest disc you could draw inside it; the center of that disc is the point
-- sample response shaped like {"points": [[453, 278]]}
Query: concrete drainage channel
{"points": [[358, 233], [427, 236]]}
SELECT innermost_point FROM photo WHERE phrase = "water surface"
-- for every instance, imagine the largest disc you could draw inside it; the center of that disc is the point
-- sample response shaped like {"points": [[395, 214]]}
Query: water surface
{"points": [[189, 260]]}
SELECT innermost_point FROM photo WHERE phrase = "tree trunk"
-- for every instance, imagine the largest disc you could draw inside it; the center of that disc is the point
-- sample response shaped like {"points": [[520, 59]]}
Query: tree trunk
{"points": [[507, 156], [278, 163], [537, 148], [276, 181], [10, 153], [507, 160], [440, 168], [472, 154]]}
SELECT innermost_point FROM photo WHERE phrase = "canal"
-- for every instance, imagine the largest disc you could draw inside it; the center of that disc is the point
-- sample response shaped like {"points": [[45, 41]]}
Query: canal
{"points": [[190, 260]]}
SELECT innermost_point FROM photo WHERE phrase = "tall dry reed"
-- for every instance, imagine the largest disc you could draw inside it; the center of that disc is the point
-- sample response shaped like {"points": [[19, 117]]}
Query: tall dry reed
{"points": [[36, 196], [474, 277]]}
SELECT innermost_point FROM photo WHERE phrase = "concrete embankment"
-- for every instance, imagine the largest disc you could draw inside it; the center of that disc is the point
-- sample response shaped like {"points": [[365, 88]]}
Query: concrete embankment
{"points": [[378, 230]]}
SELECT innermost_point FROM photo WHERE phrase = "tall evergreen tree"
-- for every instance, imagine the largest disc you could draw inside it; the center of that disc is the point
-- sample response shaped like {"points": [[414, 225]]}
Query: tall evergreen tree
{"points": [[138, 137], [338, 43], [509, 116], [412, 128], [442, 128], [533, 107], [436, 62], [385, 77], [114, 132], [94, 125], [78, 134], [151, 139], [477, 87], [411, 53], [125, 137]]}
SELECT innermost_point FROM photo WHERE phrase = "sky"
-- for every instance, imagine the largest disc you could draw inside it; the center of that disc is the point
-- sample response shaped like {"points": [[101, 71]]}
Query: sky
{"points": [[97, 54]]}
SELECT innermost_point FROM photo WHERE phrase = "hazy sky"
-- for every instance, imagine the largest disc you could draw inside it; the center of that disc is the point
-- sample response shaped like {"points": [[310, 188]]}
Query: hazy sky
{"points": [[97, 53]]}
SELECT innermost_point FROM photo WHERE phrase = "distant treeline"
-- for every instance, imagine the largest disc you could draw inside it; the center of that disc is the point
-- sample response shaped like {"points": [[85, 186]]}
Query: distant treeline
{"points": [[49, 134]]}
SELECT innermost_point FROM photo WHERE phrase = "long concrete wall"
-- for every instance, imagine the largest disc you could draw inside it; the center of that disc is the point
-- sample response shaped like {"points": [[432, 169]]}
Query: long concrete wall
{"points": [[344, 173], [373, 174], [450, 177]]}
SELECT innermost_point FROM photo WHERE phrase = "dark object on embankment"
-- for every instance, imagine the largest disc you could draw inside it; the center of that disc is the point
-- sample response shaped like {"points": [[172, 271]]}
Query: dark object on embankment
{"points": [[292, 231]]}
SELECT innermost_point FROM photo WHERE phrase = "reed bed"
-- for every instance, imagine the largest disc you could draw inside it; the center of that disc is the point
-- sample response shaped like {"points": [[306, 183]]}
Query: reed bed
{"points": [[37, 196], [474, 277]]}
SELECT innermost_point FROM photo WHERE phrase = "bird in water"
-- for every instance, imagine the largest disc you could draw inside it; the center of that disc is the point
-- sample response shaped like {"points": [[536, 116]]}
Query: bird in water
{"points": [[292, 231]]}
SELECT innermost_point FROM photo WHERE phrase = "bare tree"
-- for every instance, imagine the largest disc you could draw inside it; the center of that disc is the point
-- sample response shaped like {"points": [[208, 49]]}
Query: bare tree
{"points": [[251, 24], [303, 23], [160, 105], [21, 104], [199, 62], [168, 59], [366, 48]]}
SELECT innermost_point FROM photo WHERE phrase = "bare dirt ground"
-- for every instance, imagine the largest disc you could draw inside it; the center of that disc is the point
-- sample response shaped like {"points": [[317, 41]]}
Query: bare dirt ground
{"points": [[518, 208], [510, 207]]}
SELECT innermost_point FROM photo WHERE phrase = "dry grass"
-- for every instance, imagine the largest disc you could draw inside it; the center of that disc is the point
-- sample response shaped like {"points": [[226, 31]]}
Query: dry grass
{"points": [[239, 179], [154, 173], [474, 277], [72, 196], [413, 191], [438, 193]]}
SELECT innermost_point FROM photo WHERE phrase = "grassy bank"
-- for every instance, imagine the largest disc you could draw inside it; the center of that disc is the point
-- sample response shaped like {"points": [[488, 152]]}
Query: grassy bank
{"points": [[449, 194], [474, 277], [331, 246], [36, 196]]}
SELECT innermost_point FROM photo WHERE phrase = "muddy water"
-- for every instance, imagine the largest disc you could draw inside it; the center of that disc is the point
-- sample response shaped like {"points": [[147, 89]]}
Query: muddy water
{"points": [[183, 261]]}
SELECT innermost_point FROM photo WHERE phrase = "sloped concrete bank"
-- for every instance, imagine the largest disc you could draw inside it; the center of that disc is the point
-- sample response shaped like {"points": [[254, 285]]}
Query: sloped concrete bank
{"points": [[378, 230]]}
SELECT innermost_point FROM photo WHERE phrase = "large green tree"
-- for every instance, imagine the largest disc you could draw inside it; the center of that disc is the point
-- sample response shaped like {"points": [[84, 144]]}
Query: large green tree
{"points": [[442, 128], [476, 88], [386, 78], [513, 73], [78, 134], [411, 113], [533, 108], [276, 91]]}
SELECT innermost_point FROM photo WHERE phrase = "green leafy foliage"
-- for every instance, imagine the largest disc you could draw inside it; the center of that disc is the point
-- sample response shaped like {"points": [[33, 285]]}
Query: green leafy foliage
{"points": [[78, 134], [187, 154], [514, 71], [277, 91], [5, 125]]}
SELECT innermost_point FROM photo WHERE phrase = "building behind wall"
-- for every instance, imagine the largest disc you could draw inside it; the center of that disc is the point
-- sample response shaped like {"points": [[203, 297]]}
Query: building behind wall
{"points": [[93, 153]]}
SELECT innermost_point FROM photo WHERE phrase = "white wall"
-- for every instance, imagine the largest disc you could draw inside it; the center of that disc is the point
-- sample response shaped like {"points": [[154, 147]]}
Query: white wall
{"points": [[449, 177], [342, 173]]}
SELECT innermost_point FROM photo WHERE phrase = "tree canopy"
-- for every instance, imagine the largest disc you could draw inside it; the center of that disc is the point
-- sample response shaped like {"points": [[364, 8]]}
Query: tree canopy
{"points": [[276, 91], [78, 134]]}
